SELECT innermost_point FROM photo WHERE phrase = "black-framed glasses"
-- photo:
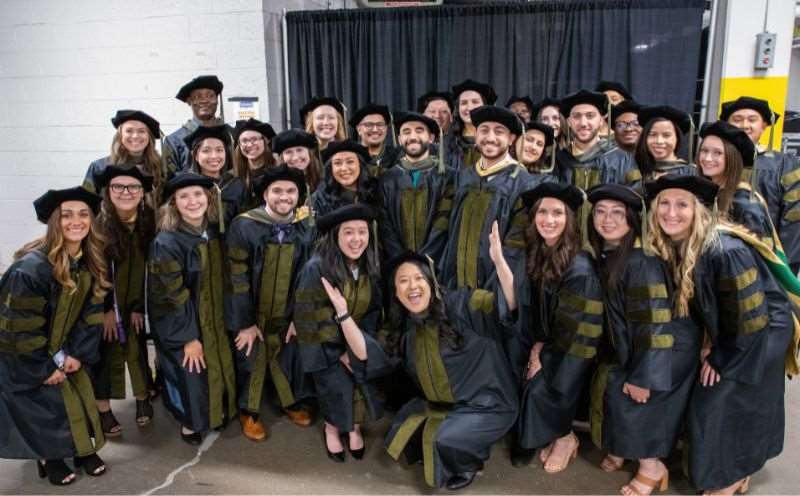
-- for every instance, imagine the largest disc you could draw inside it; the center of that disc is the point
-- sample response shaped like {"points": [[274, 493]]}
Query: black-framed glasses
{"points": [[130, 188], [622, 126]]}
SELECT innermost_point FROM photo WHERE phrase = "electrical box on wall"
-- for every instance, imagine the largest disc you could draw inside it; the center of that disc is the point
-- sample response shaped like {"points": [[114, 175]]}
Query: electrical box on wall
{"points": [[765, 50]]}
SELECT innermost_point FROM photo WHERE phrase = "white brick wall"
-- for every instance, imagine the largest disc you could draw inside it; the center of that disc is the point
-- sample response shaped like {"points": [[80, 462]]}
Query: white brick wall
{"points": [[67, 65]]}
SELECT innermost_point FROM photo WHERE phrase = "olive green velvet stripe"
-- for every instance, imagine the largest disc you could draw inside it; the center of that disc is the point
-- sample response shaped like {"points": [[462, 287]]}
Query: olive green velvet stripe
{"points": [[482, 301], [788, 180], [657, 341], [432, 419], [358, 296], [740, 281], [579, 303], [276, 277], [68, 310], [84, 421], [257, 375], [646, 292], [597, 406], [33, 303], [28, 345], [473, 215], [414, 203], [753, 325], [429, 365], [165, 267], [568, 320], [22, 324], [650, 315]]}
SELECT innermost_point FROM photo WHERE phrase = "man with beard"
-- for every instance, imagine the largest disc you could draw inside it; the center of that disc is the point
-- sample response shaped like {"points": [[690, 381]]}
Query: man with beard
{"points": [[589, 160], [522, 106], [373, 124], [625, 121], [438, 105], [487, 192], [775, 175], [266, 247], [417, 193], [202, 94]]}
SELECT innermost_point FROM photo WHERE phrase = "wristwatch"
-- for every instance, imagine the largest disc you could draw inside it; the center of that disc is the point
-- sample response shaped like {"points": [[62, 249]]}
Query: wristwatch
{"points": [[339, 319]]}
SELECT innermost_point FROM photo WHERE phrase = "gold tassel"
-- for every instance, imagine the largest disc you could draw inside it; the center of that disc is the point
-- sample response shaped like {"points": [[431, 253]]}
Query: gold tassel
{"points": [[584, 223], [221, 108], [436, 287], [645, 248], [771, 131], [392, 130], [691, 139], [753, 174], [441, 151], [610, 135], [221, 208], [344, 124]]}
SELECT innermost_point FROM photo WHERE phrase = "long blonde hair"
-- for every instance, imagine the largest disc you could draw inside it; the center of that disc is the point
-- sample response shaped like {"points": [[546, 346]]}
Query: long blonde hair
{"points": [[341, 133], [92, 247], [169, 218], [682, 257]]}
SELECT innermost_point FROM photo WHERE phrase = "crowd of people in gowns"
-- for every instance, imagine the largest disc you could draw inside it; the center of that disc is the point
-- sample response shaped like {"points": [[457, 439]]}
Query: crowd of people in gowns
{"points": [[577, 269]]}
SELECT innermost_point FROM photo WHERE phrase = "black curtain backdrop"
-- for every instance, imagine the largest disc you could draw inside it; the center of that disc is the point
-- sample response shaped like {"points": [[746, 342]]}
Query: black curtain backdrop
{"points": [[543, 48]]}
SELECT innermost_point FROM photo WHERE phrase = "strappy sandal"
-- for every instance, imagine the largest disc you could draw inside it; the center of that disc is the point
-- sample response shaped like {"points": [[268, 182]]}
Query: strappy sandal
{"points": [[144, 412], [56, 471], [545, 452], [609, 464], [92, 464], [662, 484], [565, 462], [108, 422]]}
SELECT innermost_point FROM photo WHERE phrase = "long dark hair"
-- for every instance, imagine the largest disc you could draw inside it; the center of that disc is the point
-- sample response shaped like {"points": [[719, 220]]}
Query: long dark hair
{"points": [[644, 159], [546, 263], [611, 268], [334, 266], [734, 168], [116, 248], [366, 186], [399, 318]]}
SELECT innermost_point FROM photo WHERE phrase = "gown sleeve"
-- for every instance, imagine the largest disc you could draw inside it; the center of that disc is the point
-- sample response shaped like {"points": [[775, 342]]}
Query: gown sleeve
{"points": [[789, 223], [172, 307], [390, 232], [437, 237], [240, 259], [83, 340]]}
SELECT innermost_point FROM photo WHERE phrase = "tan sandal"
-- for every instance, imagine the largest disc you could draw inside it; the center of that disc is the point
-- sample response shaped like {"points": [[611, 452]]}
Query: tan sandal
{"points": [[662, 484], [545, 452], [564, 463], [610, 464]]}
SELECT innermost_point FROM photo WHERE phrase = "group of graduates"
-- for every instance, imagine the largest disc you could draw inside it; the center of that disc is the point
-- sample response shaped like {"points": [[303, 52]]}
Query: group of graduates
{"points": [[480, 270]]}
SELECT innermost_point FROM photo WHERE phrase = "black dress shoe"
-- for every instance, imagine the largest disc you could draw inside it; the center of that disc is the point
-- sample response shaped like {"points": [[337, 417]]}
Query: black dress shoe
{"points": [[337, 457], [195, 438], [521, 457], [92, 464], [460, 481], [358, 454]]}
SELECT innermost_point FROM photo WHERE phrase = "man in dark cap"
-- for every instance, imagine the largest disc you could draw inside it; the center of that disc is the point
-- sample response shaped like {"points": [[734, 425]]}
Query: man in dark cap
{"points": [[625, 123], [203, 94], [487, 192], [775, 174], [373, 124], [588, 160], [438, 105], [416, 193]]}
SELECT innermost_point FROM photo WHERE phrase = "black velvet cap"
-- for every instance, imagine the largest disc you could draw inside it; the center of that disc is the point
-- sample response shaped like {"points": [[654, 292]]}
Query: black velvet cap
{"points": [[184, 180], [681, 119], [134, 171], [202, 132], [524, 99], [123, 116], [572, 196], [732, 135], [291, 138], [546, 102], [501, 115], [599, 100], [624, 107], [618, 192], [46, 204], [281, 173], [253, 125], [483, 89], [549, 133], [614, 86], [354, 211], [424, 100], [347, 145], [704, 189], [369, 109], [210, 82], [748, 102], [402, 118], [318, 102]]}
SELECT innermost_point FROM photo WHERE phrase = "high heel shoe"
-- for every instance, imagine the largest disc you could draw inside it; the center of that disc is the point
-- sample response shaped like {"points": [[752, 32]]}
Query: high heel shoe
{"points": [[56, 471], [195, 438], [661, 484], [358, 454], [744, 486], [92, 464], [337, 457]]}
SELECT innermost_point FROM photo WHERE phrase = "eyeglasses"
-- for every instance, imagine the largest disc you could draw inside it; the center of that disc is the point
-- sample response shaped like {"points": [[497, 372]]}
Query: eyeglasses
{"points": [[622, 126], [249, 141], [616, 216], [130, 188], [373, 125]]}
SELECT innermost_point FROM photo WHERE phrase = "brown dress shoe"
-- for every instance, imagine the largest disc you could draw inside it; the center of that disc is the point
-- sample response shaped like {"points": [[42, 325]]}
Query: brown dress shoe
{"points": [[299, 417], [252, 429]]}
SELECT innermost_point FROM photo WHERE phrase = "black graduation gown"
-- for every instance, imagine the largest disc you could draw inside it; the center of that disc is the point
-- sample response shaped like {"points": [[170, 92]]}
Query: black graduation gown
{"points": [[478, 202], [778, 180], [38, 318], [749, 210], [344, 398], [108, 377], [736, 425], [646, 347], [567, 316], [179, 156], [460, 151], [669, 168], [263, 272], [416, 208], [602, 164], [470, 396], [185, 293], [384, 161]]}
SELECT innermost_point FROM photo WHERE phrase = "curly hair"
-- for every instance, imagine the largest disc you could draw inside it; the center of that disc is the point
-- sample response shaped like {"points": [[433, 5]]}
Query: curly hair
{"points": [[92, 246], [399, 317], [547, 263], [116, 249], [682, 257]]}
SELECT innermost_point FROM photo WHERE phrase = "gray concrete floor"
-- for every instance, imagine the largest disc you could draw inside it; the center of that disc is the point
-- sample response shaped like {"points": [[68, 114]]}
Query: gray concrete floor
{"points": [[292, 461]]}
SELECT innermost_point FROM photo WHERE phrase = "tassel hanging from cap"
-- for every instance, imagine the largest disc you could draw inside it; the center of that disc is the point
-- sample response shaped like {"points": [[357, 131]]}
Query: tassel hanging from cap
{"points": [[584, 220], [610, 135], [437, 289], [164, 173], [221, 108], [220, 208], [344, 124], [392, 130], [441, 166], [691, 139], [754, 174], [771, 133], [645, 248]]}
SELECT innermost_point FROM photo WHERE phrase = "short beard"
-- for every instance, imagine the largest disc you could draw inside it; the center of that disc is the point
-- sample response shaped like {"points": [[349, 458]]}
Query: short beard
{"points": [[423, 149], [591, 138], [500, 153]]}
